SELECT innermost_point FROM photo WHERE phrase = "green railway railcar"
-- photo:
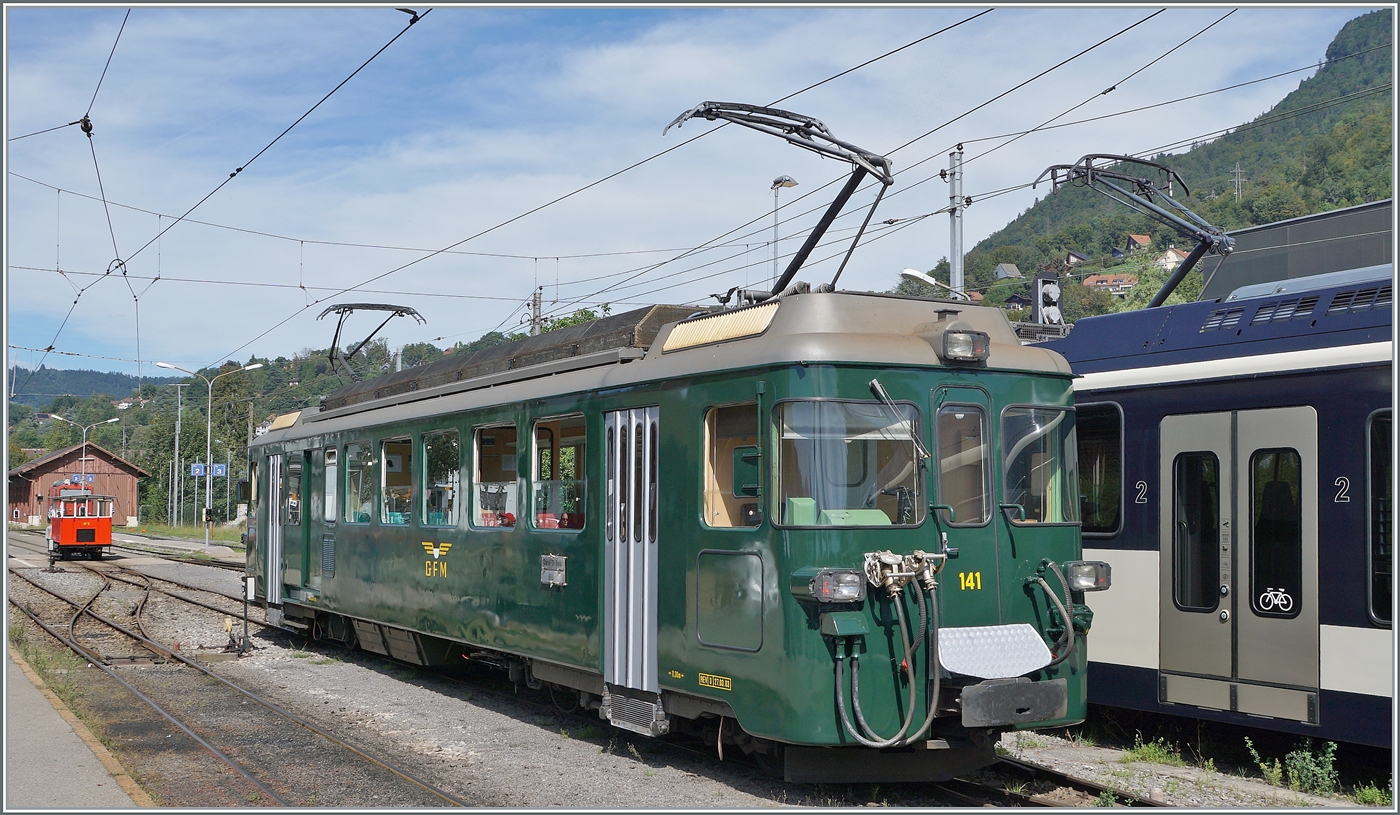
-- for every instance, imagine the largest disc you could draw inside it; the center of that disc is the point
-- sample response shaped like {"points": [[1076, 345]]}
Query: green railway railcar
{"points": [[786, 527]]}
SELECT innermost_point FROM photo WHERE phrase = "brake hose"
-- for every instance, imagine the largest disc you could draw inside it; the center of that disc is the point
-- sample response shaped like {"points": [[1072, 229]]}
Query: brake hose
{"points": [[855, 689], [935, 671], [1064, 615]]}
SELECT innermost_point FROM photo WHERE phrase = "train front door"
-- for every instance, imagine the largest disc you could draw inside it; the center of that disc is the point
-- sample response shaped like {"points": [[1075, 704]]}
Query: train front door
{"points": [[1238, 531], [630, 563], [964, 501]]}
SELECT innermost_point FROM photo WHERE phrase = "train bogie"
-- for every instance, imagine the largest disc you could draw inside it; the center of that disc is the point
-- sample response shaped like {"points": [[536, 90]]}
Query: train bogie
{"points": [[793, 527]]}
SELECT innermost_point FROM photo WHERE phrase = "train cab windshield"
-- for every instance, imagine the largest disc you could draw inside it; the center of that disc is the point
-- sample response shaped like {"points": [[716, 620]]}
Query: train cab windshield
{"points": [[1041, 464], [848, 464]]}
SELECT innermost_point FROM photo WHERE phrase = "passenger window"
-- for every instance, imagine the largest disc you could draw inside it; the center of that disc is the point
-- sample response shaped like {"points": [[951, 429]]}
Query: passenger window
{"points": [[1276, 532], [398, 481], [292, 517], [329, 484], [1382, 530], [1100, 431], [731, 466], [494, 497], [1196, 531], [559, 478], [359, 483], [442, 468], [963, 459]]}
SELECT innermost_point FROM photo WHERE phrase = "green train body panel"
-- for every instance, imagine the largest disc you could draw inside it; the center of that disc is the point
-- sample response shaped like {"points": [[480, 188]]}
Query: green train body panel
{"points": [[728, 628]]}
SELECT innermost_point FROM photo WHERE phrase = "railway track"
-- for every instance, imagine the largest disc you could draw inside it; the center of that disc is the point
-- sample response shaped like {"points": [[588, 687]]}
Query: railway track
{"points": [[284, 783]]}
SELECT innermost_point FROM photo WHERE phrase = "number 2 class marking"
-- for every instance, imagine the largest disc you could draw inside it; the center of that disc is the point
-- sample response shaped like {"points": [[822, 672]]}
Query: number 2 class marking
{"points": [[1141, 493], [1342, 484], [969, 580]]}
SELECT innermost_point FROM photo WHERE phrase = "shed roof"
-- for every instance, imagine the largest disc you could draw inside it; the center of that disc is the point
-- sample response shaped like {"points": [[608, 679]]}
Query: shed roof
{"points": [[39, 462]]}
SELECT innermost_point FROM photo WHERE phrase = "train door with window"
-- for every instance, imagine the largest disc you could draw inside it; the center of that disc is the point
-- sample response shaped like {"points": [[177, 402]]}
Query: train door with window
{"points": [[963, 499], [294, 525], [1238, 531], [630, 564], [272, 579]]}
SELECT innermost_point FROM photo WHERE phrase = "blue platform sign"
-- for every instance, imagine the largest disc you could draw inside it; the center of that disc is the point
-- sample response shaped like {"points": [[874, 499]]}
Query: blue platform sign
{"points": [[91, 478], [220, 470], [76, 478], [197, 469]]}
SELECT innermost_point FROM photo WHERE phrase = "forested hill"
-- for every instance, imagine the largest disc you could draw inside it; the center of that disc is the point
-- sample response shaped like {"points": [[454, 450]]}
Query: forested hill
{"points": [[38, 388], [1326, 145]]}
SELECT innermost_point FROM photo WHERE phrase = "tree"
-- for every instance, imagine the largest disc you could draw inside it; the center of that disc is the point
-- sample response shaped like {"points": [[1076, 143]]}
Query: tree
{"points": [[583, 315]]}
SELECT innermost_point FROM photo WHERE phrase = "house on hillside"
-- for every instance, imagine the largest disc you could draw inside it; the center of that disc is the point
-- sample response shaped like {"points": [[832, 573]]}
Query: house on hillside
{"points": [[1016, 302], [1136, 243], [1169, 259], [1116, 284], [105, 473], [1074, 258], [1005, 271], [1118, 253]]}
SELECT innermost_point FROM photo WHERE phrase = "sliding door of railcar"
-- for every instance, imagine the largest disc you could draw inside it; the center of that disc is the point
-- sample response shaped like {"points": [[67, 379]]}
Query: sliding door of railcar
{"points": [[630, 548], [1238, 531]]}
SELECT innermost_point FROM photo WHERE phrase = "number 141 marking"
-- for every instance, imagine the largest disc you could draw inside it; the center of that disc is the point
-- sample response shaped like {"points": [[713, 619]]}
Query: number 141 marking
{"points": [[969, 580]]}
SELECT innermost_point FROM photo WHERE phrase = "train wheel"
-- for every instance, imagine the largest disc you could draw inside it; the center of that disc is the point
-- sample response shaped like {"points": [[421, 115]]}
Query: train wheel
{"points": [[771, 764], [97, 554]]}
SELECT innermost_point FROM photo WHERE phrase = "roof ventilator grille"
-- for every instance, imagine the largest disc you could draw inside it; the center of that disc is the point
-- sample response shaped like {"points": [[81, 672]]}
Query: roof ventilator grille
{"points": [[1351, 302], [1280, 310], [1222, 318]]}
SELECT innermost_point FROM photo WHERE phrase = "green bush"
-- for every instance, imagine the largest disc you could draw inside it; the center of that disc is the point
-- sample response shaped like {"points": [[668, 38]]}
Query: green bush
{"points": [[1312, 770], [1273, 773]]}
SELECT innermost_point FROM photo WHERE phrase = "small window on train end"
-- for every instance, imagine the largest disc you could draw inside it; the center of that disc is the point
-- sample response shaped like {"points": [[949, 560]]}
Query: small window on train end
{"points": [[1381, 502], [396, 455], [442, 473], [1100, 431], [559, 480], [291, 513], [329, 482], [359, 483], [1276, 532], [495, 499], [731, 468]]}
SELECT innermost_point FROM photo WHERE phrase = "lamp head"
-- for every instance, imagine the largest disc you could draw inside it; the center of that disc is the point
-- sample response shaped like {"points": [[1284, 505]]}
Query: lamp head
{"points": [[784, 181], [252, 367], [164, 365]]}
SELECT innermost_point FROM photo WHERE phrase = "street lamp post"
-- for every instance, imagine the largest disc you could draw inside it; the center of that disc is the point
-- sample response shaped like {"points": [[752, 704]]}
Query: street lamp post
{"points": [[82, 459], [208, 436], [778, 183]]}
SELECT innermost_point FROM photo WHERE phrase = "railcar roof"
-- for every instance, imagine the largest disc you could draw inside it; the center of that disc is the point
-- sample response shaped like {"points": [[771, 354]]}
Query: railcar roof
{"points": [[1338, 309], [824, 327]]}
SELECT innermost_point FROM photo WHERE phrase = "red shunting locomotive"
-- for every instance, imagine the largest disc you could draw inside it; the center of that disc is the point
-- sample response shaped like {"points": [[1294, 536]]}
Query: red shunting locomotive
{"points": [[80, 523]]}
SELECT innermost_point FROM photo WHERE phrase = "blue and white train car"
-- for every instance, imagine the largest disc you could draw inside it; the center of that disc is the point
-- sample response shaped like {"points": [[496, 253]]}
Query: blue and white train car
{"points": [[1235, 470]]}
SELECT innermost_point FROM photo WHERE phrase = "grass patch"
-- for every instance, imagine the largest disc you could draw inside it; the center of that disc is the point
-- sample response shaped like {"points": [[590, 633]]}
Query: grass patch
{"points": [[1026, 741], [1106, 799], [1312, 770], [216, 533], [301, 655], [1158, 751], [1273, 773], [588, 731], [325, 661]]}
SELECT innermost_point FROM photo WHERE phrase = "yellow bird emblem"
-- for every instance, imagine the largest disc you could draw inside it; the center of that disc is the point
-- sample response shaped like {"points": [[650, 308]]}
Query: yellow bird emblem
{"points": [[437, 550]]}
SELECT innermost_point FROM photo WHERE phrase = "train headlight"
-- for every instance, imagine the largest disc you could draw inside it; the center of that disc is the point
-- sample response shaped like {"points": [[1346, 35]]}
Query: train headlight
{"points": [[966, 346], [1088, 575], [828, 585]]}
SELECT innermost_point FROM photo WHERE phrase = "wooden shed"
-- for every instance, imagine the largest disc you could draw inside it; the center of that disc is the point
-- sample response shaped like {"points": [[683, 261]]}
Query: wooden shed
{"points": [[109, 475]]}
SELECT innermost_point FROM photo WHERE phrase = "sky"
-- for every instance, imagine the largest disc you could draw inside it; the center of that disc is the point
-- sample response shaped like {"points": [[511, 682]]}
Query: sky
{"points": [[475, 116]]}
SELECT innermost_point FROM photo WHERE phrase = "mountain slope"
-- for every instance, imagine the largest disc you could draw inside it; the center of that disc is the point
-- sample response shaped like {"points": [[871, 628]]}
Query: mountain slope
{"points": [[1324, 146]]}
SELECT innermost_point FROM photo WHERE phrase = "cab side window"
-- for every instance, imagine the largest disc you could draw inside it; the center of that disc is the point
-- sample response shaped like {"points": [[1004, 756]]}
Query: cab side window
{"points": [[731, 477]]}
